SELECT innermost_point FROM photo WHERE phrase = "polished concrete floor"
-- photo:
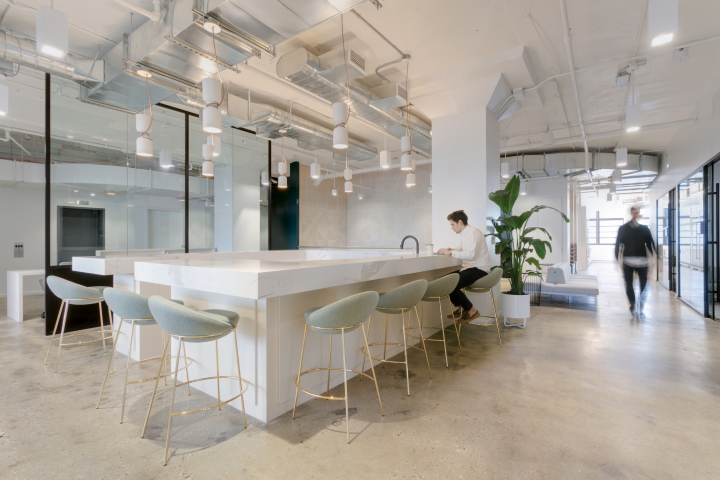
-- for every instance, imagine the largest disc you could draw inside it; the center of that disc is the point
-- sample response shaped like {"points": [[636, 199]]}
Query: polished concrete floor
{"points": [[578, 394]]}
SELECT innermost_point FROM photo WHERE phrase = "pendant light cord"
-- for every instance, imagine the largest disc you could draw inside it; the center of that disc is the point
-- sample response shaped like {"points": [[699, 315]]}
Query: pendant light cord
{"points": [[222, 84], [407, 108], [347, 83]]}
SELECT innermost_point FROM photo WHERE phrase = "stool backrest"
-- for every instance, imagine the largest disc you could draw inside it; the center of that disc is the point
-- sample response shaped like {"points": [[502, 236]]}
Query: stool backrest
{"points": [[179, 320], [128, 305], [489, 280], [67, 290], [443, 286], [405, 296], [345, 313]]}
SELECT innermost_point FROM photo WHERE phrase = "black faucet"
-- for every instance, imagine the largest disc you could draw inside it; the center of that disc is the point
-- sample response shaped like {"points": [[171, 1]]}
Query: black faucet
{"points": [[417, 244]]}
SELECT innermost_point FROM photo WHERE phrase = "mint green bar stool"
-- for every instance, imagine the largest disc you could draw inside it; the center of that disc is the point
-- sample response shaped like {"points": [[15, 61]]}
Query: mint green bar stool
{"points": [[133, 309], [73, 294], [398, 301], [187, 325], [438, 290], [485, 285], [340, 317]]}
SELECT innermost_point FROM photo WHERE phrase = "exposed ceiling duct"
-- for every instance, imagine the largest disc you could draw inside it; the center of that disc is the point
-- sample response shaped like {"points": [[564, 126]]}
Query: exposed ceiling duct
{"points": [[305, 70], [24, 52]]}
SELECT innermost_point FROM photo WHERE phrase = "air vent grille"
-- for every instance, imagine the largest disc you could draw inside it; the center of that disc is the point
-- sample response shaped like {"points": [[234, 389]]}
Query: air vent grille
{"points": [[357, 59], [402, 93]]}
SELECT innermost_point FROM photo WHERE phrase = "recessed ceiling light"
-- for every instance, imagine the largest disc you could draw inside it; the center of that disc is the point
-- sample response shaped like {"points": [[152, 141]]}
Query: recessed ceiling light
{"points": [[75, 191], [92, 194]]}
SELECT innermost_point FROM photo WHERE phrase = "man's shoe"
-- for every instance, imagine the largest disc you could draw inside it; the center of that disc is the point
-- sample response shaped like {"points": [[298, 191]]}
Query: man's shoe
{"points": [[468, 318], [457, 314]]}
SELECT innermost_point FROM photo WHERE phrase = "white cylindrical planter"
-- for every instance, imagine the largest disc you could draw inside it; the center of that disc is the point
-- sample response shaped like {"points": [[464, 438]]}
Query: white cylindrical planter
{"points": [[515, 306]]}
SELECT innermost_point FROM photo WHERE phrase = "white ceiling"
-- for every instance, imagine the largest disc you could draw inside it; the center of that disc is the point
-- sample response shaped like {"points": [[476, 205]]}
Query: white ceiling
{"points": [[457, 42]]}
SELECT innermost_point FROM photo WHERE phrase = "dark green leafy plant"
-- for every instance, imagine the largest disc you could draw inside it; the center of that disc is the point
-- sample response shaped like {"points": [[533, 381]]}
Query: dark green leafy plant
{"points": [[515, 246]]}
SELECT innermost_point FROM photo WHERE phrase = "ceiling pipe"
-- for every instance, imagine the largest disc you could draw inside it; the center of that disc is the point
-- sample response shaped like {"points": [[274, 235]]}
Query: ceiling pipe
{"points": [[573, 76], [368, 170], [403, 56], [595, 136], [154, 15]]}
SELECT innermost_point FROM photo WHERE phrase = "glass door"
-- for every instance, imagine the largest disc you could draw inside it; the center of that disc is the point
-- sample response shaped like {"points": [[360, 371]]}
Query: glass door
{"points": [[712, 234], [691, 241], [666, 240]]}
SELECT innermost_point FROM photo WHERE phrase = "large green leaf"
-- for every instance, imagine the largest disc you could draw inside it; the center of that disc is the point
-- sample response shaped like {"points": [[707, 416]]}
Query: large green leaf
{"points": [[534, 261], [513, 222], [539, 248], [537, 208], [505, 199]]}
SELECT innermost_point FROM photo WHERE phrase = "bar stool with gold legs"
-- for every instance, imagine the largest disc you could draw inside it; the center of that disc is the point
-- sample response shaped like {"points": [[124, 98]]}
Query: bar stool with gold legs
{"points": [[73, 294], [485, 285], [398, 301], [340, 317], [438, 290], [193, 326], [133, 309]]}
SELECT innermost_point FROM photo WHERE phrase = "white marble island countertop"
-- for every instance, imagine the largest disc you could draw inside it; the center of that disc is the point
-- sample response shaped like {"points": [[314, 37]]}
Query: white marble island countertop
{"points": [[272, 274]]}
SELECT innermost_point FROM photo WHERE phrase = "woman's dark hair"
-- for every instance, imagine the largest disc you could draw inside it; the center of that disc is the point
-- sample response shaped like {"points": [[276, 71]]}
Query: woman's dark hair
{"points": [[458, 216]]}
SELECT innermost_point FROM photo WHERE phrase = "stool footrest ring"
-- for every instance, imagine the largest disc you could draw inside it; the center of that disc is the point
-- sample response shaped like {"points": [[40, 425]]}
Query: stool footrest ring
{"points": [[325, 369], [245, 382]]}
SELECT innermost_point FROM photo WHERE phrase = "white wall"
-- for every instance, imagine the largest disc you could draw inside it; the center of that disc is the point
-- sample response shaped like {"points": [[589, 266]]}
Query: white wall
{"points": [[22, 221]]}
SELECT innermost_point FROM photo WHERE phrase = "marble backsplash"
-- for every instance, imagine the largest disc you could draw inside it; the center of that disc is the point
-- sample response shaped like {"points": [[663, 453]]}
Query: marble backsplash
{"points": [[323, 217]]}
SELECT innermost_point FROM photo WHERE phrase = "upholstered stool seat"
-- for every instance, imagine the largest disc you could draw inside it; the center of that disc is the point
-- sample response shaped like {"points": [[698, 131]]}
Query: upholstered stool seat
{"points": [[438, 290], [73, 294], [339, 318], [485, 285], [397, 302], [187, 325], [133, 309]]}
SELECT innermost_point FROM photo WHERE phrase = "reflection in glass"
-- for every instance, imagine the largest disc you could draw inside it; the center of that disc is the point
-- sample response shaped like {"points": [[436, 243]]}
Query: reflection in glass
{"points": [[665, 241], [691, 241]]}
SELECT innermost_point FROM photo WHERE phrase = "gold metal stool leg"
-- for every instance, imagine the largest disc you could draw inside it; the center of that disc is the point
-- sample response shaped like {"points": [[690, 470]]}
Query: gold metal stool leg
{"points": [[102, 324], [497, 322], [330, 365], [407, 369], [187, 371], [62, 305], [172, 400], [347, 407], [127, 370], [422, 339], [385, 344], [62, 332], [457, 331], [302, 354], [242, 397], [108, 369], [217, 365], [157, 380], [442, 328], [367, 349]]}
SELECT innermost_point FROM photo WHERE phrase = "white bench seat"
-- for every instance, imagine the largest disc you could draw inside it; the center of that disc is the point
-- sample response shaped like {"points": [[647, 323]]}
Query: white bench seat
{"points": [[559, 281]]}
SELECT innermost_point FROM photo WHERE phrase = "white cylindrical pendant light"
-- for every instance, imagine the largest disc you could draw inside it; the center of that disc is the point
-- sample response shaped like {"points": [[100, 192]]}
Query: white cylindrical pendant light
{"points": [[384, 159], [216, 143], [662, 21], [340, 133], [360, 196], [282, 181], [505, 170], [410, 180], [4, 100], [208, 169], [315, 170], [609, 197], [282, 168], [405, 144], [212, 91], [334, 192], [347, 173], [348, 187], [51, 31], [633, 118], [523, 188], [207, 151], [264, 178], [406, 162], [143, 123], [340, 137], [144, 147], [166, 159], [612, 188], [621, 157], [617, 176], [212, 120], [548, 139]]}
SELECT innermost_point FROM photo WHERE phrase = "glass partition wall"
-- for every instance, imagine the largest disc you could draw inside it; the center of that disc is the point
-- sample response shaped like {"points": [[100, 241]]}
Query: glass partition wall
{"points": [[666, 240], [106, 200], [691, 242]]}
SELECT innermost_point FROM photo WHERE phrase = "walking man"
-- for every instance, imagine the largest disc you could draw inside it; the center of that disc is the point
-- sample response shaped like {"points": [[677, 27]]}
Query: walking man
{"points": [[636, 241], [474, 253]]}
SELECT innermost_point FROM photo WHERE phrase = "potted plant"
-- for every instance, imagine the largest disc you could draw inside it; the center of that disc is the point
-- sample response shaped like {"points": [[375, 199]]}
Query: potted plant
{"points": [[516, 248]]}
